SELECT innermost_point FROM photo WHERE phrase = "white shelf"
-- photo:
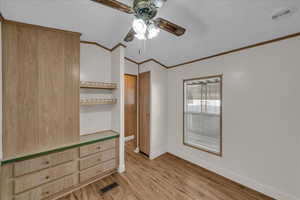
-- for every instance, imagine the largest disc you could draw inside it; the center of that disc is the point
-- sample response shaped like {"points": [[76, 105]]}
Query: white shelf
{"points": [[97, 101], [97, 85]]}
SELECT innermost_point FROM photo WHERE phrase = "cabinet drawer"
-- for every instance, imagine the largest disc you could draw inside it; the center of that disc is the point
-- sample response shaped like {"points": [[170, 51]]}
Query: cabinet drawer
{"points": [[97, 147], [49, 189], [97, 159], [45, 176], [43, 162], [97, 170]]}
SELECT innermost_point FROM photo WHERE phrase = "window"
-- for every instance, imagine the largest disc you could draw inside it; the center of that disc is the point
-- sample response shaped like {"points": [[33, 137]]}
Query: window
{"points": [[203, 114]]}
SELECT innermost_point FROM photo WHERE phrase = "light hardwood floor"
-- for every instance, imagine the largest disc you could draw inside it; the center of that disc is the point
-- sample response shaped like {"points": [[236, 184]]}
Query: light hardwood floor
{"points": [[166, 178]]}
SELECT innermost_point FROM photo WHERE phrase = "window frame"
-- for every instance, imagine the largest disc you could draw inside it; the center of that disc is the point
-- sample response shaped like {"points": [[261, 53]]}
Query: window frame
{"points": [[220, 154]]}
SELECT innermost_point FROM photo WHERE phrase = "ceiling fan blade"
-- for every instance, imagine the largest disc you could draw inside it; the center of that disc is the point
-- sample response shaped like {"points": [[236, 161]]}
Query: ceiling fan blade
{"points": [[116, 5], [170, 27], [130, 36]]}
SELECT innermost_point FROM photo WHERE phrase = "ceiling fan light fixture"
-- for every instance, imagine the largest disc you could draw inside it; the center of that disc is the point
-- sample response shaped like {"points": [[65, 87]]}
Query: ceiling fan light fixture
{"points": [[139, 26], [145, 12], [159, 3], [140, 36], [153, 31]]}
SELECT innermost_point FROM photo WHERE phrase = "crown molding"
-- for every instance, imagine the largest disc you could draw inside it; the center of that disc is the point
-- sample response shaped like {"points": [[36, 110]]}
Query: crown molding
{"points": [[108, 49], [133, 61], [2, 19], [95, 43], [118, 45], [154, 60], [236, 50], [199, 59], [102, 46]]}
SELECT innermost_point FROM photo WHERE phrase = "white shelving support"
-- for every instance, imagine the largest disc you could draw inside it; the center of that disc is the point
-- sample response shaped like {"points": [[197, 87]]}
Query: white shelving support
{"points": [[97, 101], [117, 76]]}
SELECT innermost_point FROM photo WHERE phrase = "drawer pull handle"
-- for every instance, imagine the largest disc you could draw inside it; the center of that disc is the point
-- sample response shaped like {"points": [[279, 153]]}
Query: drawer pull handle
{"points": [[47, 177], [98, 147], [47, 163]]}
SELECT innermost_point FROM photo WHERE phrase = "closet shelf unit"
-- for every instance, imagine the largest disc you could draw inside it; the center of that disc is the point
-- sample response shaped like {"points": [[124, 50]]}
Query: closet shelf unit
{"points": [[97, 101], [98, 85]]}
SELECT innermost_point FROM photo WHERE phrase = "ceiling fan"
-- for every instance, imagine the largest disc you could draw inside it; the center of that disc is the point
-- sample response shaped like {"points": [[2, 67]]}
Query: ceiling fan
{"points": [[144, 25]]}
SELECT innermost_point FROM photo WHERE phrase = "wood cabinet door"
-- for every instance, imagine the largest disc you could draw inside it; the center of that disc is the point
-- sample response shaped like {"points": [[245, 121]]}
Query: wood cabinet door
{"points": [[32, 180], [41, 88], [130, 105], [144, 112]]}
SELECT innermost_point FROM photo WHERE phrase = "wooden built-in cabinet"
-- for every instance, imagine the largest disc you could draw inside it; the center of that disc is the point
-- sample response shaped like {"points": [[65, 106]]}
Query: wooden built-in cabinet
{"points": [[56, 174], [44, 155], [28, 166], [40, 88]]}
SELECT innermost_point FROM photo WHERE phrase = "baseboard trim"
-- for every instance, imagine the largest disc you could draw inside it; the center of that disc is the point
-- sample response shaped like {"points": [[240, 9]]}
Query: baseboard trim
{"points": [[245, 181], [137, 150], [157, 153], [121, 169], [128, 138]]}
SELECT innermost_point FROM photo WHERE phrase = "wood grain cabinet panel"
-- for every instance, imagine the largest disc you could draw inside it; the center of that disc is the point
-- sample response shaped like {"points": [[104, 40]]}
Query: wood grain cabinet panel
{"points": [[130, 105], [97, 158], [144, 112], [43, 162], [27, 166], [97, 147], [6, 182], [62, 157], [45, 176], [41, 88], [53, 175], [20, 96], [49, 189], [97, 170]]}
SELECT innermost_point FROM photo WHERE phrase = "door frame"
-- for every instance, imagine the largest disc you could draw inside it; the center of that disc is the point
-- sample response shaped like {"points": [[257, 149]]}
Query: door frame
{"points": [[137, 106], [150, 106]]}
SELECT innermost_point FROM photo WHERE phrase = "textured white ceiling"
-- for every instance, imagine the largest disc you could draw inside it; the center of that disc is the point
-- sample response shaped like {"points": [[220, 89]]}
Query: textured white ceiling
{"points": [[213, 26]]}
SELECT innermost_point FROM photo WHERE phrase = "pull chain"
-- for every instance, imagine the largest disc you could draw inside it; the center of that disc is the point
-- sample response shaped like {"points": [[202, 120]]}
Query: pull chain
{"points": [[144, 48]]}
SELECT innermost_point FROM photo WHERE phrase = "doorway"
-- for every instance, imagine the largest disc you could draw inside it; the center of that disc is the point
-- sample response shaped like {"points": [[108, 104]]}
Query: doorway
{"points": [[131, 107], [144, 112]]}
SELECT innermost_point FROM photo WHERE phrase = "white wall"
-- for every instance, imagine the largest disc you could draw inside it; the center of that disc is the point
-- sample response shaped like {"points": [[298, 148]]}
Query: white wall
{"points": [[158, 113], [95, 65], [131, 68], [117, 76], [261, 137]]}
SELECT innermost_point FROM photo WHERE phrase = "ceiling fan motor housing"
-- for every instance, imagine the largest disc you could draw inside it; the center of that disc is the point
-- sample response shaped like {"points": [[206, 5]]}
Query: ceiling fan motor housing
{"points": [[144, 9]]}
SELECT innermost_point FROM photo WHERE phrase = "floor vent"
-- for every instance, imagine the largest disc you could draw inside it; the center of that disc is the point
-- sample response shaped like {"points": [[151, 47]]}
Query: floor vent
{"points": [[109, 187]]}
